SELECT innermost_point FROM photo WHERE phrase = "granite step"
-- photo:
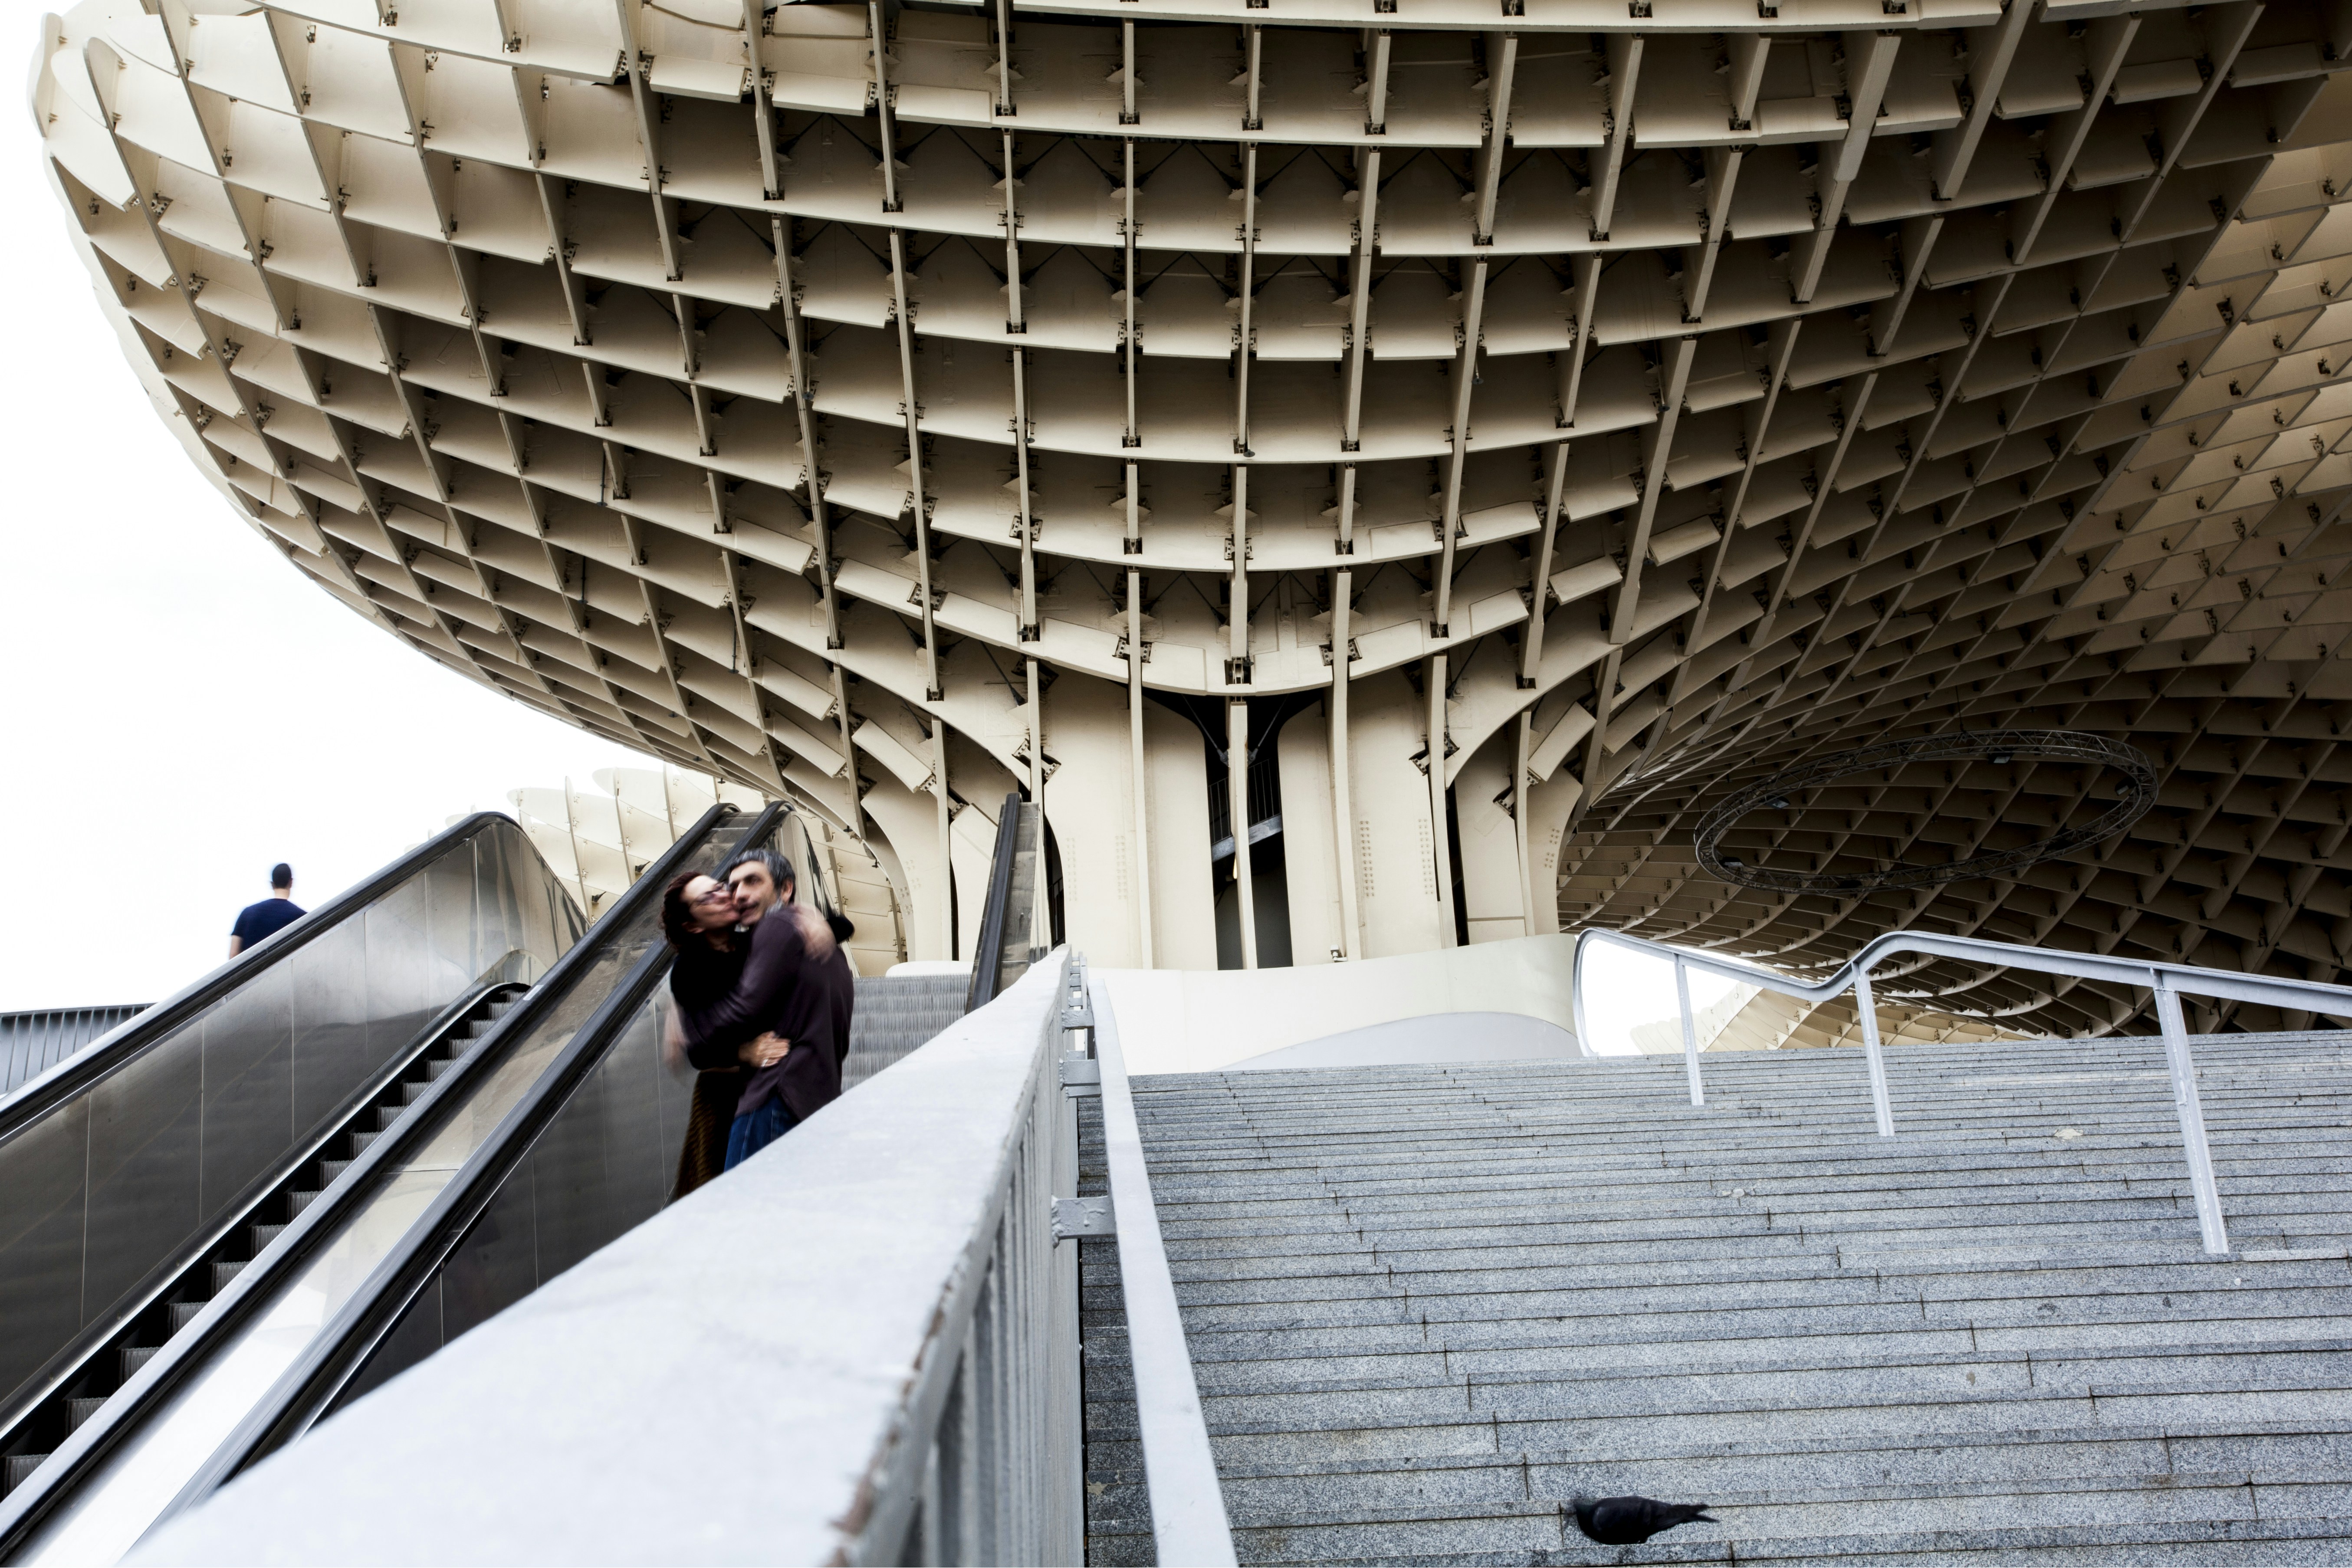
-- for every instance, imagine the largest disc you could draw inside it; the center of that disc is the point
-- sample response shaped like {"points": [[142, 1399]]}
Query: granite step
{"points": [[1427, 1305]]}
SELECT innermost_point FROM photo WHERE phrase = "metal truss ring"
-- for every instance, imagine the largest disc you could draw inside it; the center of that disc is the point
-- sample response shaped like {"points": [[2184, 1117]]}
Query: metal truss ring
{"points": [[2136, 794]]}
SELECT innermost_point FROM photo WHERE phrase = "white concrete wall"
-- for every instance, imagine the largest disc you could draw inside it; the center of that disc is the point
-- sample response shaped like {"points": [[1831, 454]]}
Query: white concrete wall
{"points": [[1193, 1022]]}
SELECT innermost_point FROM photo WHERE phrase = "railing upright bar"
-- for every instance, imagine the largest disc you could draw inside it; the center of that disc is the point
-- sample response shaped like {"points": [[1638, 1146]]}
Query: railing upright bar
{"points": [[1188, 1503], [1690, 1032], [2193, 1117], [1868, 1006]]}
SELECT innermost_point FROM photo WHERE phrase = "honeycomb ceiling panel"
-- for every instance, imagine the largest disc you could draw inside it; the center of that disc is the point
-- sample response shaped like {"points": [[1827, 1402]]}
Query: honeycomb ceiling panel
{"points": [[1564, 413]]}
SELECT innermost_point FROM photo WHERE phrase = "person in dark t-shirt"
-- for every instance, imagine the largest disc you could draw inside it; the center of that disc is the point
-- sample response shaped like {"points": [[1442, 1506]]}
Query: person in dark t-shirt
{"points": [[272, 915]]}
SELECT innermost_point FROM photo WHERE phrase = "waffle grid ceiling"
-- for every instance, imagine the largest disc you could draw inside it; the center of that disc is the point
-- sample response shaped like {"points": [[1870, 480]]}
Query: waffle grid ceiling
{"points": [[1639, 397]]}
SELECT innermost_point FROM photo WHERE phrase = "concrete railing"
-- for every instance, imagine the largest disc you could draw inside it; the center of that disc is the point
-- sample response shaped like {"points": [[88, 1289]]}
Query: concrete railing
{"points": [[862, 1346], [1189, 1524], [2167, 981]]}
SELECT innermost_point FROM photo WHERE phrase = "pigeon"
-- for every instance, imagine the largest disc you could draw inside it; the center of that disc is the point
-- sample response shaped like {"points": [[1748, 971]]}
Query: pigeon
{"points": [[1626, 1521]]}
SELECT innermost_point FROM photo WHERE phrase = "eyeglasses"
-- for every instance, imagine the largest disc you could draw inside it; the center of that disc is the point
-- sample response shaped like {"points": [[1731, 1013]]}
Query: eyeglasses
{"points": [[716, 895]]}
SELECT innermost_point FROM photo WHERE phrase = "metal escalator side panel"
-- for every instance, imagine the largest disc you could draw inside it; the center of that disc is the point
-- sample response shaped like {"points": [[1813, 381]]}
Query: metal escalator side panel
{"points": [[110, 1480], [113, 1159]]}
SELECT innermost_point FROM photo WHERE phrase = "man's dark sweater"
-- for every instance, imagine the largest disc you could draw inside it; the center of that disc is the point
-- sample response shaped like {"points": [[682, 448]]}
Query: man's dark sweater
{"points": [[787, 990]]}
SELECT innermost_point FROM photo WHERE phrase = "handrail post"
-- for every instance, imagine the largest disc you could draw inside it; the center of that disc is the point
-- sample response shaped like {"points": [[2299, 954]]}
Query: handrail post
{"points": [[1690, 1032], [2193, 1117], [1868, 1008]]}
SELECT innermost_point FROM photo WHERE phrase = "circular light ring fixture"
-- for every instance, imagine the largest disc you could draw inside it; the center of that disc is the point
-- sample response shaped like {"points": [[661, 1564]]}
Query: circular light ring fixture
{"points": [[2136, 793]]}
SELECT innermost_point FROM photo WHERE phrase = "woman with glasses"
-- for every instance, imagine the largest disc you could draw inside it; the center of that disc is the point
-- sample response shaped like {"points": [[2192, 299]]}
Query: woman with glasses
{"points": [[699, 919]]}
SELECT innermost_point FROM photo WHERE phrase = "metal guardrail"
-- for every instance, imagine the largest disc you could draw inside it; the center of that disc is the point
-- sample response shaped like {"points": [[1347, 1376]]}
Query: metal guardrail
{"points": [[2167, 981], [31, 1043], [1008, 1487], [1189, 1524]]}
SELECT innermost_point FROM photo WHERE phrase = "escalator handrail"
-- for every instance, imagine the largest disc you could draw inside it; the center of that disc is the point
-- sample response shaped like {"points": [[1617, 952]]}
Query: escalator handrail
{"points": [[23, 1509], [338, 1352], [116, 1048], [988, 951], [94, 1336]]}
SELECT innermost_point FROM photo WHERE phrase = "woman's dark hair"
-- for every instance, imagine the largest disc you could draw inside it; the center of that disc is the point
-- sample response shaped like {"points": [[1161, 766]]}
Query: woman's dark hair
{"points": [[677, 915]]}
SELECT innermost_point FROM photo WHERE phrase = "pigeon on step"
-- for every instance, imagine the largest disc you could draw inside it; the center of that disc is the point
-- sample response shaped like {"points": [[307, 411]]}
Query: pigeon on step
{"points": [[1626, 1520]]}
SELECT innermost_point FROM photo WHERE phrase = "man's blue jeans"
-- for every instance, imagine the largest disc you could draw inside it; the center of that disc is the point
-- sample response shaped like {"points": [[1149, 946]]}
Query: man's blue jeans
{"points": [[755, 1130]]}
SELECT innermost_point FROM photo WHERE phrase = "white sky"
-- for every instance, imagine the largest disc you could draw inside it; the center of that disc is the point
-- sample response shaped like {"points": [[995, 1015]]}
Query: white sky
{"points": [[1624, 988], [180, 707], [183, 709]]}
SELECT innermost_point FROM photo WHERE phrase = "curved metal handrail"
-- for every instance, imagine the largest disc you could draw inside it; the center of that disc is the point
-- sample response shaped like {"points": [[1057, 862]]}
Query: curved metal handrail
{"points": [[2167, 981]]}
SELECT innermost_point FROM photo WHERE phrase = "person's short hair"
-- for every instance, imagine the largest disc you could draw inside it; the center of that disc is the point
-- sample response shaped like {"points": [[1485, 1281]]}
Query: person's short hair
{"points": [[281, 875], [677, 914], [779, 868]]}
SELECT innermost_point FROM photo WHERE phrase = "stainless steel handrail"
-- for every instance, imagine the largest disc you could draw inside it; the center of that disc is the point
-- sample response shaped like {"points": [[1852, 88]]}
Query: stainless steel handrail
{"points": [[2167, 981], [1189, 1523]]}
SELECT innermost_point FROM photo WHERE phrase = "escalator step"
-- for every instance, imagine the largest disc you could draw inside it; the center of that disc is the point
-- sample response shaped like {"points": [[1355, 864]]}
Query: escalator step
{"points": [[329, 1169], [136, 1356], [435, 1069], [262, 1235], [297, 1202], [182, 1312], [80, 1410], [20, 1466], [224, 1272], [409, 1092], [385, 1115], [360, 1141]]}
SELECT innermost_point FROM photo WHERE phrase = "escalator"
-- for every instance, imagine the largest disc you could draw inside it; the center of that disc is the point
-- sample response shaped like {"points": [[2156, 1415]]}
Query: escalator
{"points": [[106, 1365], [142, 1162], [523, 1130]]}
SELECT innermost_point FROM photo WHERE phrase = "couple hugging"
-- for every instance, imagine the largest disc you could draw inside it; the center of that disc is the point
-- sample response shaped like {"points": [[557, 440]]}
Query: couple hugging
{"points": [[764, 995]]}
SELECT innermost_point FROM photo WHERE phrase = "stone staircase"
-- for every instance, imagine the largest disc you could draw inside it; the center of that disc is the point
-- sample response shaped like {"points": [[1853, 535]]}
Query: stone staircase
{"points": [[894, 1015], [1427, 1306]]}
